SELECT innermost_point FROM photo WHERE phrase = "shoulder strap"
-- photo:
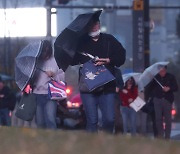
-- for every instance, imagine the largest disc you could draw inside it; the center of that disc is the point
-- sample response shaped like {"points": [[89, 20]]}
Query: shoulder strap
{"points": [[45, 73]]}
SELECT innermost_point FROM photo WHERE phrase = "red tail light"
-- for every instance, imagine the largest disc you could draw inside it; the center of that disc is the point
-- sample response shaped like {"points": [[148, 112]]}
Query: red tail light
{"points": [[68, 91], [173, 112]]}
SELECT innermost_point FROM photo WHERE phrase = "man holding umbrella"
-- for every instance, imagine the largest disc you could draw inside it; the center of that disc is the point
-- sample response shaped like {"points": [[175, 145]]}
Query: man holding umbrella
{"points": [[111, 53], [163, 86]]}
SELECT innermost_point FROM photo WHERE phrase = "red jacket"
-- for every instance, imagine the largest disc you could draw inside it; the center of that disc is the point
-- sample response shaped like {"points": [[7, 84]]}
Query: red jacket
{"points": [[126, 96]]}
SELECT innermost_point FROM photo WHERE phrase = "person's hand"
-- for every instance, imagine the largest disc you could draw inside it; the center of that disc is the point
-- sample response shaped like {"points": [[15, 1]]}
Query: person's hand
{"points": [[130, 100], [102, 61], [28, 89], [124, 91], [117, 90], [166, 89], [50, 73]]}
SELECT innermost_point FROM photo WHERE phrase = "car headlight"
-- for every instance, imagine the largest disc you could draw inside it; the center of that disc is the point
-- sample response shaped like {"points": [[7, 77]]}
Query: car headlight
{"points": [[73, 104]]}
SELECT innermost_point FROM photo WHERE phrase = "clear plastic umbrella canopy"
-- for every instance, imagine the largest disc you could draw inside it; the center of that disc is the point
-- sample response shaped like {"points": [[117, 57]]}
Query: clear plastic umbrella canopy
{"points": [[149, 73], [127, 76], [25, 63]]}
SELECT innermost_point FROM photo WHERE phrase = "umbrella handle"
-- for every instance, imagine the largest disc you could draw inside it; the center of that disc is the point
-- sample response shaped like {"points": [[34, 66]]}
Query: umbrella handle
{"points": [[158, 82], [88, 55]]}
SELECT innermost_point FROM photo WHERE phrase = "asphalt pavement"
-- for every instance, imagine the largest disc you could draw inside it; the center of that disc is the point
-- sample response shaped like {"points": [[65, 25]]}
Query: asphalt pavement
{"points": [[175, 131]]}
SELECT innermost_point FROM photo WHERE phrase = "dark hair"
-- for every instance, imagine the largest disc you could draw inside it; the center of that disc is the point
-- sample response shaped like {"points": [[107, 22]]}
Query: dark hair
{"points": [[93, 22], [47, 50], [133, 84], [162, 66], [0, 79]]}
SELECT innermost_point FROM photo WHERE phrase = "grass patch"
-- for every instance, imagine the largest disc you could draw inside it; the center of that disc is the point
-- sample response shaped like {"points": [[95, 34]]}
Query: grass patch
{"points": [[37, 141]]}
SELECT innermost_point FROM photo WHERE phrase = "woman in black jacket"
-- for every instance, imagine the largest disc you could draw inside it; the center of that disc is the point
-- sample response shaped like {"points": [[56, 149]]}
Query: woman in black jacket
{"points": [[111, 53]]}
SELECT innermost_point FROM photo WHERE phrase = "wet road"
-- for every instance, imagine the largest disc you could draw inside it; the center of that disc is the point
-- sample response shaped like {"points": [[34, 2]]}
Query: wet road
{"points": [[175, 132]]}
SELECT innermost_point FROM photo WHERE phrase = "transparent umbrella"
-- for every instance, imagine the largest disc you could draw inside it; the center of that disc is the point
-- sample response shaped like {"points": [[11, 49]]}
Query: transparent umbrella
{"points": [[135, 75], [149, 74], [25, 63]]}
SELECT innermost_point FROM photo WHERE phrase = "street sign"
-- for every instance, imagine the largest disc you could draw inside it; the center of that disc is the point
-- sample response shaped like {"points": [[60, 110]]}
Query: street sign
{"points": [[138, 5], [138, 35]]}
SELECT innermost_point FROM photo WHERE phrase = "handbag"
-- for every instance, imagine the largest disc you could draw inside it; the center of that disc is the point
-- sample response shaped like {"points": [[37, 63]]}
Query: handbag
{"points": [[84, 88], [93, 77], [26, 108], [149, 106], [137, 104], [82, 85], [57, 90]]}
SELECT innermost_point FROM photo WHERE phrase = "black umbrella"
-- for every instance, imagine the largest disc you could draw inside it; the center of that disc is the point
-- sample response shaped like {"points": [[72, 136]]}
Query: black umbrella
{"points": [[25, 63], [66, 43]]}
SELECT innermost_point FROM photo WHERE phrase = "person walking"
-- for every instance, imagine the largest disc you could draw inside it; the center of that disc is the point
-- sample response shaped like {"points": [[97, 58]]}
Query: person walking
{"points": [[163, 98], [127, 96], [46, 69], [111, 53], [7, 103]]}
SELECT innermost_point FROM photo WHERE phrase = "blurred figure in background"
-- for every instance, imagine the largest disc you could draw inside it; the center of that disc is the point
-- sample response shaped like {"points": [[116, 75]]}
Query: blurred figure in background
{"points": [[163, 99], [7, 103], [127, 95]]}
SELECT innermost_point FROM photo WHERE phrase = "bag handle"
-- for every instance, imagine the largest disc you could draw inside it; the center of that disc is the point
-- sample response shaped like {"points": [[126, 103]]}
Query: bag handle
{"points": [[46, 74]]}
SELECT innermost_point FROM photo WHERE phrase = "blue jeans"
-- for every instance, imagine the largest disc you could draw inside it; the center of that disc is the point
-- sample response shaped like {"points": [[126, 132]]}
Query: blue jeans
{"points": [[128, 115], [106, 105], [46, 112], [5, 119]]}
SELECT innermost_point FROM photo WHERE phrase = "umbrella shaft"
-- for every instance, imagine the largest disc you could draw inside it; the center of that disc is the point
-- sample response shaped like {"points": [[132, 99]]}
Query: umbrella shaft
{"points": [[158, 83]]}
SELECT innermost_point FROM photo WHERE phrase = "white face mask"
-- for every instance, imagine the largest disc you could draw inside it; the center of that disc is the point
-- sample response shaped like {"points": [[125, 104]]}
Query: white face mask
{"points": [[94, 34]]}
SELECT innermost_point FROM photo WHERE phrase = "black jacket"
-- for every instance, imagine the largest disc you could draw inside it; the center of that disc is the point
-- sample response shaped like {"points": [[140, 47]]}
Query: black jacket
{"points": [[168, 80], [107, 46], [8, 100]]}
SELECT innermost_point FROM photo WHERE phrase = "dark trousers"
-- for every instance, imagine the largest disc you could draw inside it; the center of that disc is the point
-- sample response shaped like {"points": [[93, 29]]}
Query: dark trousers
{"points": [[163, 114], [5, 119], [152, 115], [106, 104], [118, 116]]}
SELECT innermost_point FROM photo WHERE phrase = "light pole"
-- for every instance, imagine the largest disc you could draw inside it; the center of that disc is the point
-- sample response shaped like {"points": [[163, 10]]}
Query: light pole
{"points": [[48, 8], [140, 35], [146, 34]]}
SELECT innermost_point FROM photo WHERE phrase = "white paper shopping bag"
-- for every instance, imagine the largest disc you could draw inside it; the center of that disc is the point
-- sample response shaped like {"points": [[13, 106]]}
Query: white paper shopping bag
{"points": [[137, 104]]}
